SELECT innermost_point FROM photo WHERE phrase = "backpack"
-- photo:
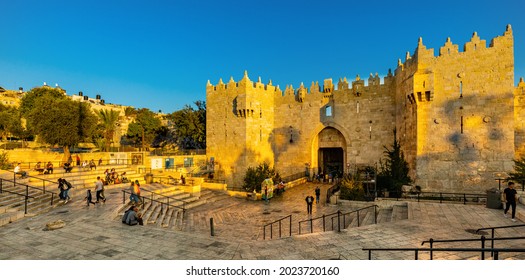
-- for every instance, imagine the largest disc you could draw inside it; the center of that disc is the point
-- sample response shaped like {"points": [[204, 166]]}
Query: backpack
{"points": [[69, 186]]}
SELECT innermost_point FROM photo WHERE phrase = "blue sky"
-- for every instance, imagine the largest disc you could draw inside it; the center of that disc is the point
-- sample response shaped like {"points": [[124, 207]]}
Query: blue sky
{"points": [[160, 54]]}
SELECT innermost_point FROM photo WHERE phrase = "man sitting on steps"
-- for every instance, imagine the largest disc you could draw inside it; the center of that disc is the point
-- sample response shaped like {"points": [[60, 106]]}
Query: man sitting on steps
{"points": [[18, 170], [68, 167]]}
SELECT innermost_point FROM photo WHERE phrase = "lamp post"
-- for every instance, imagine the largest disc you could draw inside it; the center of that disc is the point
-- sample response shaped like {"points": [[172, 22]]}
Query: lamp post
{"points": [[499, 179]]}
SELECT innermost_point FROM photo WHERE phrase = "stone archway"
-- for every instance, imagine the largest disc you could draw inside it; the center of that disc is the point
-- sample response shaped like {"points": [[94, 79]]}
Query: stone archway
{"points": [[331, 151]]}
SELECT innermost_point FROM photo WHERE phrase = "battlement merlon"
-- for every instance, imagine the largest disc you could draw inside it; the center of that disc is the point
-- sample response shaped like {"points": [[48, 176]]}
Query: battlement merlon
{"points": [[475, 44], [245, 83]]}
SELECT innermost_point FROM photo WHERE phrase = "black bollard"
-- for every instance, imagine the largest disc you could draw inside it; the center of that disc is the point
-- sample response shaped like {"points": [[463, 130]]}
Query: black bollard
{"points": [[212, 231]]}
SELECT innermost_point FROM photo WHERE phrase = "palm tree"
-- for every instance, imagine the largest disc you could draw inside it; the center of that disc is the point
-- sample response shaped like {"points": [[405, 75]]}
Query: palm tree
{"points": [[109, 120]]}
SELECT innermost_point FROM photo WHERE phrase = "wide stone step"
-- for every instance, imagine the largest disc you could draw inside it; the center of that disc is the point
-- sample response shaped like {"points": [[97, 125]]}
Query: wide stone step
{"points": [[9, 217]]}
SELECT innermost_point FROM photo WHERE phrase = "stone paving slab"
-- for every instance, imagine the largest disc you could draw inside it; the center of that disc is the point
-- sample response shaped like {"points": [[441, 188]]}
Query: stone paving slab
{"points": [[96, 233]]}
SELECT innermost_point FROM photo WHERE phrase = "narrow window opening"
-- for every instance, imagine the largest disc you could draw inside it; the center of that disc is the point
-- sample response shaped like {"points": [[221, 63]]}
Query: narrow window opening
{"points": [[328, 111], [357, 107], [460, 89], [419, 98], [427, 95]]}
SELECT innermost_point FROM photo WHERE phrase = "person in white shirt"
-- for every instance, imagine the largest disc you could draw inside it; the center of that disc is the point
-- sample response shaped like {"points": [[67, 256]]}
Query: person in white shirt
{"points": [[99, 188], [18, 170]]}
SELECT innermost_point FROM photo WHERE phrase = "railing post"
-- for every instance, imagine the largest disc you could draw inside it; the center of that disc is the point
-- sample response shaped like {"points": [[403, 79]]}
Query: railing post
{"points": [[464, 199], [431, 247], [324, 228], [25, 204], [264, 233], [290, 225], [496, 255], [358, 222], [311, 226], [440, 197], [375, 214], [416, 254], [482, 247], [1, 184], [338, 221], [212, 231], [492, 243], [369, 254], [279, 228], [417, 197], [271, 231]]}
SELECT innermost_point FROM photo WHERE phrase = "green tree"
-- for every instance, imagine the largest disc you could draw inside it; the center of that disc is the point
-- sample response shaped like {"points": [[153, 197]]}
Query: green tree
{"points": [[255, 176], [394, 169], [189, 126], [10, 122], [519, 171], [58, 120], [144, 129], [108, 120]]}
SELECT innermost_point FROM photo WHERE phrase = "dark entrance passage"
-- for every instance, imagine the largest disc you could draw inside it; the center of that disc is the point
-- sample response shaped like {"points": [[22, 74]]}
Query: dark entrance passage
{"points": [[331, 161]]}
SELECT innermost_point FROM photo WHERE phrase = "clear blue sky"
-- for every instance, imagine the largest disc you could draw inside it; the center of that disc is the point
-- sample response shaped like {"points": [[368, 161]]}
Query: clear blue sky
{"points": [[160, 54]]}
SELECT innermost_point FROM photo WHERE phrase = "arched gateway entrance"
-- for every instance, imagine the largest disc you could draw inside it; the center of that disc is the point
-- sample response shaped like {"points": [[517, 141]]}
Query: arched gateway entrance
{"points": [[331, 152]]}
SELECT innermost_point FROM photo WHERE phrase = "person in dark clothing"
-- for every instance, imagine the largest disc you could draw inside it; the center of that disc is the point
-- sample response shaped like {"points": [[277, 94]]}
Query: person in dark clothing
{"points": [[510, 197], [89, 198], [309, 201], [317, 194], [132, 217]]}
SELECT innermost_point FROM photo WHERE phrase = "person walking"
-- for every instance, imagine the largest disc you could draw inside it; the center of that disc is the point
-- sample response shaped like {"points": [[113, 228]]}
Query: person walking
{"points": [[309, 201], [317, 194], [510, 196], [99, 188], [89, 198], [67, 186], [135, 192]]}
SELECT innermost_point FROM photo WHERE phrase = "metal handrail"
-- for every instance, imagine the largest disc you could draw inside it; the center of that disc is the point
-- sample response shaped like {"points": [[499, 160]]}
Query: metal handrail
{"points": [[443, 196], [338, 213], [431, 241], [277, 221], [358, 219], [494, 228], [26, 197], [28, 187], [124, 192], [165, 196], [494, 251]]}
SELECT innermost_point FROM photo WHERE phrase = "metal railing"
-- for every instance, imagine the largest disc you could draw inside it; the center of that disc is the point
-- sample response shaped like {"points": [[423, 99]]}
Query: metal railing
{"points": [[358, 216], [26, 197], [43, 189], [27, 187], [440, 196], [153, 199], [493, 230], [339, 215], [483, 239], [289, 217], [495, 251]]}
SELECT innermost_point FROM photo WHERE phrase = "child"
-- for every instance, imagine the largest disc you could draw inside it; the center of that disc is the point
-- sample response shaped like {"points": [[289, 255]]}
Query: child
{"points": [[89, 198]]}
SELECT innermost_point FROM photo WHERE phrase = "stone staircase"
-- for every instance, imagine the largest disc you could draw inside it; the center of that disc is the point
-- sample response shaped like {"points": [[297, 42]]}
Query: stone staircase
{"points": [[44, 187], [155, 210]]}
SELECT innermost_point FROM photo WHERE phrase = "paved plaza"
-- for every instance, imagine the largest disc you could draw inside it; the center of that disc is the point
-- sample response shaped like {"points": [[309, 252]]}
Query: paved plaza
{"points": [[96, 233]]}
